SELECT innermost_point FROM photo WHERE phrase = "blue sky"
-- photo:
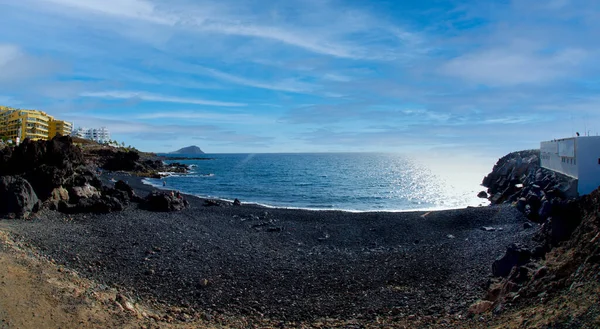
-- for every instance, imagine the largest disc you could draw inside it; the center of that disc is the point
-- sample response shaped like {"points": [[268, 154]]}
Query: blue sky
{"points": [[472, 77]]}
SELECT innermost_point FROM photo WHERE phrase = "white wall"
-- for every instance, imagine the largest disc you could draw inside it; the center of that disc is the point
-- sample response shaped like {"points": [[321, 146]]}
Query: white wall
{"points": [[588, 155], [550, 156]]}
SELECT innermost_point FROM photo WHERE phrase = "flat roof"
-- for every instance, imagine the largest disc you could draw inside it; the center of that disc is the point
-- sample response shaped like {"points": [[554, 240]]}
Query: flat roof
{"points": [[569, 138]]}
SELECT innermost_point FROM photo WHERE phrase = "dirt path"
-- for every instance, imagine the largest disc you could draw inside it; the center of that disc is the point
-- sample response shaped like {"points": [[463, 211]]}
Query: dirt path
{"points": [[36, 294]]}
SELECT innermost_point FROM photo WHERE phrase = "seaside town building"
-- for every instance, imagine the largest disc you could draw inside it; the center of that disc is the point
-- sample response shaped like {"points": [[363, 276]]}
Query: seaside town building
{"points": [[99, 135], [18, 124], [577, 157]]}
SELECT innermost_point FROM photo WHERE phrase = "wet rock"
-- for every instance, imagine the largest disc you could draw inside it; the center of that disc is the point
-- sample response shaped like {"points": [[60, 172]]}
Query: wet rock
{"points": [[215, 203], [18, 199], [482, 195], [237, 202]]}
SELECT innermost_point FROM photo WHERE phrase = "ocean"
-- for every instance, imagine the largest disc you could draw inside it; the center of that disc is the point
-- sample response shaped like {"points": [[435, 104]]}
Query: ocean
{"points": [[327, 181]]}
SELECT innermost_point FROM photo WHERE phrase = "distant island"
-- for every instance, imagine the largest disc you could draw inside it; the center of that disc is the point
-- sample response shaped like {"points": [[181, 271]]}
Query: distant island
{"points": [[189, 150]]}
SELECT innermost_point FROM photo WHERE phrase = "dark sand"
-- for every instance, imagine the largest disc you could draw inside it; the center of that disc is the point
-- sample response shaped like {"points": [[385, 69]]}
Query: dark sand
{"points": [[281, 263]]}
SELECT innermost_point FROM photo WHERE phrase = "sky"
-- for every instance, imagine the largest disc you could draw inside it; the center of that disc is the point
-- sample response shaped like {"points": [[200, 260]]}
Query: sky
{"points": [[471, 78]]}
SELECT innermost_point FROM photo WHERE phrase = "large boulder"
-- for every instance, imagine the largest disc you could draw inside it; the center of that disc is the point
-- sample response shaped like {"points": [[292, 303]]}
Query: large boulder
{"points": [[161, 201], [516, 255], [18, 197], [123, 186], [83, 192], [95, 204]]}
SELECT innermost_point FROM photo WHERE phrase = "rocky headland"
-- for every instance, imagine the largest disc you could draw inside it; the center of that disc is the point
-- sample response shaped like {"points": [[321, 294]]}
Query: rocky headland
{"points": [[158, 259]]}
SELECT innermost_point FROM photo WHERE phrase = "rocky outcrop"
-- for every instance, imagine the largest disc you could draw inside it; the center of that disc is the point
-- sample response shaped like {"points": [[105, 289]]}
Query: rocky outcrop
{"points": [[566, 273], [544, 196], [517, 178], [44, 164], [516, 255], [140, 164], [162, 201], [54, 174], [18, 199]]}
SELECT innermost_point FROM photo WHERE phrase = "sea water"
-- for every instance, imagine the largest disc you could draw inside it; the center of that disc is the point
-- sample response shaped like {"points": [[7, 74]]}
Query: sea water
{"points": [[344, 181]]}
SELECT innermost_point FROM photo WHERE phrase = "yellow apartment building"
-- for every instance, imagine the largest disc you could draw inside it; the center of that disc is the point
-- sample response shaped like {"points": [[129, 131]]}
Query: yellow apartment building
{"points": [[31, 124]]}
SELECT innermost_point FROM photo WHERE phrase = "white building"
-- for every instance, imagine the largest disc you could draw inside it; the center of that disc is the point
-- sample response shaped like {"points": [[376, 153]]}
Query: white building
{"points": [[99, 135], [577, 157]]}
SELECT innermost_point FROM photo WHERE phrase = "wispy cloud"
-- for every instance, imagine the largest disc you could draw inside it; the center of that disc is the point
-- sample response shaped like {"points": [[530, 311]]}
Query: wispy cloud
{"points": [[238, 118], [16, 65], [289, 85], [514, 66], [320, 34], [127, 9], [144, 96]]}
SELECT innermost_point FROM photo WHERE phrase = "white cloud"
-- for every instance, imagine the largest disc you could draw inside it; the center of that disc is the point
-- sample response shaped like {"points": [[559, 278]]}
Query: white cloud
{"points": [[127, 9], [8, 53], [16, 65], [513, 66], [285, 85], [320, 28], [238, 118], [144, 96]]}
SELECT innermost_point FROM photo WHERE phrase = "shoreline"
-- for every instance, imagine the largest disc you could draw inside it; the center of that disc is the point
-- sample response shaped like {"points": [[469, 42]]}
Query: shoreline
{"points": [[145, 180]]}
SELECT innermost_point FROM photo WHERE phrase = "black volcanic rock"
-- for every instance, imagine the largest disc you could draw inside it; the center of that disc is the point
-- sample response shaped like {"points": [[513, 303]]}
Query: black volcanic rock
{"points": [[189, 150], [18, 197], [161, 201]]}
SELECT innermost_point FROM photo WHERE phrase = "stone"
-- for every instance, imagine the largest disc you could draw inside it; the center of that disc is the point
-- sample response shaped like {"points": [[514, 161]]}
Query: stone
{"points": [[237, 202], [160, 201], [540, 273], [481, 306], [520, 205], [482, 195], [527, 225], [516, 255], [545, 211], [487, 228], [96, 205], [122, 186], [18, 197], [83, 192], [59, 194]]}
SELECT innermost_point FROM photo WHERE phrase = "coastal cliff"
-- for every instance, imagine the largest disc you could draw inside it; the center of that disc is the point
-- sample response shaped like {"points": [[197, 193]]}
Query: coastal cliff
{"points": [[554, 282], [59, 175]]}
